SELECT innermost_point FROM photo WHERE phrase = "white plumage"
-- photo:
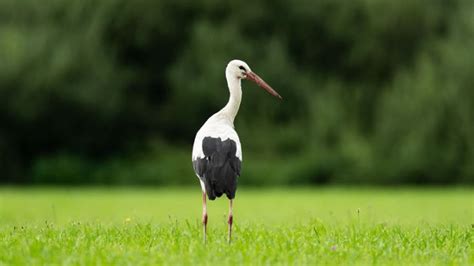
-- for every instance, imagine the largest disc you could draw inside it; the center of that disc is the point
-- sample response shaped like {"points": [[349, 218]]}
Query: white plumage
{"points": [[217, 126]]}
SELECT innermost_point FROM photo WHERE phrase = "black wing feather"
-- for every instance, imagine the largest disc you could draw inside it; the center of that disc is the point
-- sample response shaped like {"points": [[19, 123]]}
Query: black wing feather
{"points": [[219, 168]]}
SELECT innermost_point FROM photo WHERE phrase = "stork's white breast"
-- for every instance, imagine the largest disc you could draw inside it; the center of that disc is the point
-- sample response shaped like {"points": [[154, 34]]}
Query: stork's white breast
{"points": [[216, 128]]}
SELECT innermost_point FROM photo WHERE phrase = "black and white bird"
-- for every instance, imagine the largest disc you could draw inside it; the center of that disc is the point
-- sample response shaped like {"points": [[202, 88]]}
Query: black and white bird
{"points": [[217, 154]]}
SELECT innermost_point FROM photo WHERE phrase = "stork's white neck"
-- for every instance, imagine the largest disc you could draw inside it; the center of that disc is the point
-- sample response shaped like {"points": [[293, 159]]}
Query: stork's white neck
{"points": [[235, 90]]}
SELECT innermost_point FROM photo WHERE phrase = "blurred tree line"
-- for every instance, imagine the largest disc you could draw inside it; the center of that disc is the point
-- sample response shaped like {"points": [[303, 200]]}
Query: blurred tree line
{"points": [[113, 91]]}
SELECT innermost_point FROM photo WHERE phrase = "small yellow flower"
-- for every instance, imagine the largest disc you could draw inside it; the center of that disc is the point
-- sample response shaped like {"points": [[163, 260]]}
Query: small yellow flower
{"points": [[128, 219]]}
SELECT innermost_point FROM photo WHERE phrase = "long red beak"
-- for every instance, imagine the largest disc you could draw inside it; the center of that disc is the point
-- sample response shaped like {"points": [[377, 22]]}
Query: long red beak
{"points": [[260, 82]]}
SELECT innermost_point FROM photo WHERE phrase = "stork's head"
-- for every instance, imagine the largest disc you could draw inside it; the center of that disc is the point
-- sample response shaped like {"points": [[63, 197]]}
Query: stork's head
{"points": [[240, 69]]}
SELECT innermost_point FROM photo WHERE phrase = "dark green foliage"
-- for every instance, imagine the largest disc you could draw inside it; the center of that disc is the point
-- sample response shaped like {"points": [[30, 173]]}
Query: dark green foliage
{"points": [[374, 91]]}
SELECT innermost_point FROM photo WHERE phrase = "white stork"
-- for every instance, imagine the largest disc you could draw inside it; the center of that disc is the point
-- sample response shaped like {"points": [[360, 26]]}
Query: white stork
{"points": [[217, 155]]}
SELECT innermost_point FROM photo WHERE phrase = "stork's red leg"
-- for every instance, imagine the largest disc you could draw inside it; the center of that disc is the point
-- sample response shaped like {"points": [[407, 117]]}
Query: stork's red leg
{"points": [[204, 215], [230, 220]]}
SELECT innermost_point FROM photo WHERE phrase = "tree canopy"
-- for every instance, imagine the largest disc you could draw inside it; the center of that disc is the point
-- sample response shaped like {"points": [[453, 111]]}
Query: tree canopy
{"points": [[113, 91]]}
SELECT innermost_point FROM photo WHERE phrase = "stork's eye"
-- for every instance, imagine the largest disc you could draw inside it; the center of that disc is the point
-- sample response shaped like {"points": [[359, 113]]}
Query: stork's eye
{"points": [[242, 68]]}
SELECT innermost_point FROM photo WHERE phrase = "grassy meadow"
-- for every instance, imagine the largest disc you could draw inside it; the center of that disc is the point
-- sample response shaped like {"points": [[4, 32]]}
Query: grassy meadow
{"points": [[119, 226]]}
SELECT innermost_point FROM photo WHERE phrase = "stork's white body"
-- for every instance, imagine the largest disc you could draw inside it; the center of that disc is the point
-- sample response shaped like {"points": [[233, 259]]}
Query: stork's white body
{"points": [[221, 124], [217, 126]]}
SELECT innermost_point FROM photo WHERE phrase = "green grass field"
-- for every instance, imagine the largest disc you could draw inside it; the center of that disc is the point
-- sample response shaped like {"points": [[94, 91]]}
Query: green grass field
{"points": [[101, 226]]}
